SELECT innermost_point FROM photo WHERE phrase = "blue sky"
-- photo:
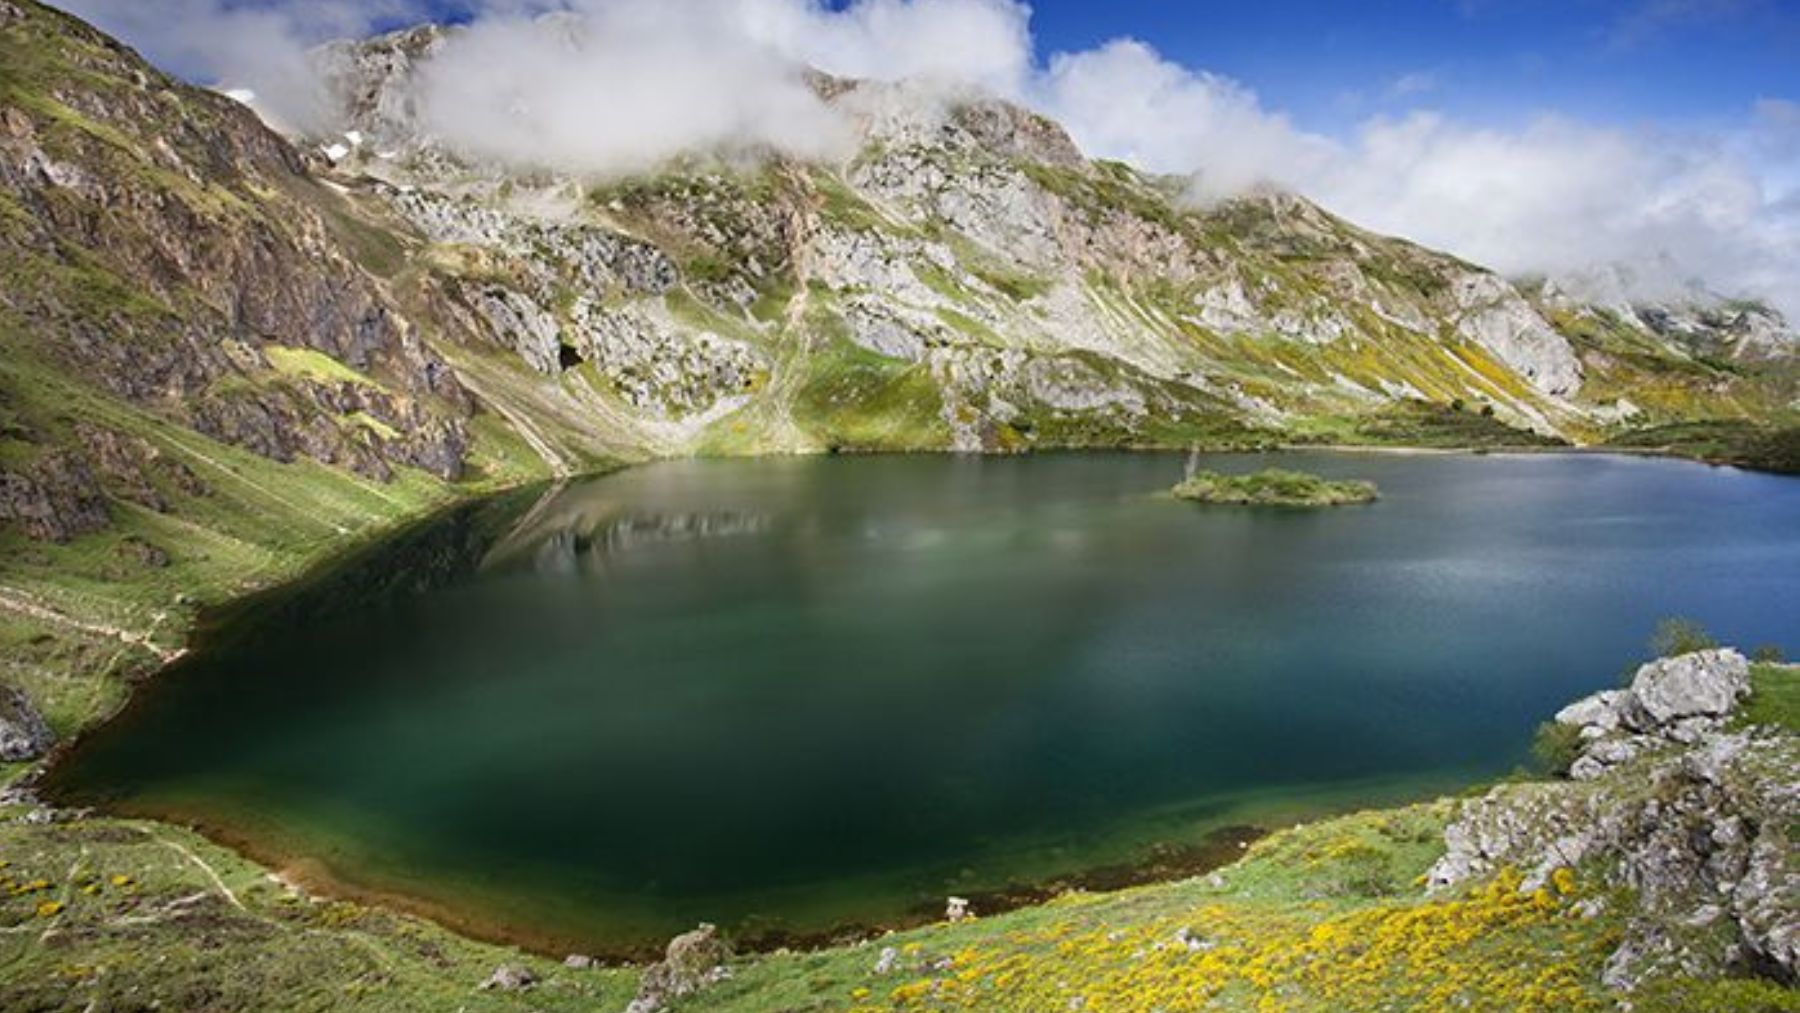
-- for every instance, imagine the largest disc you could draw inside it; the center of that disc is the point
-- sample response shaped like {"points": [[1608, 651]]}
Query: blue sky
{"points": [[1330, 62]]}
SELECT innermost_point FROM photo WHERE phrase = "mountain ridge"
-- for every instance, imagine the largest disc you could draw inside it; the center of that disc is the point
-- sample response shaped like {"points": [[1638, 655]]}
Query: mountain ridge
{"points": [[937, 181], [226, 356]]}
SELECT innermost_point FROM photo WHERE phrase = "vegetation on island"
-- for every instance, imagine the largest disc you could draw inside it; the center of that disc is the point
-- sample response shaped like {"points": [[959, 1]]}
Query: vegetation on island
{"points": [[1274, 487]]}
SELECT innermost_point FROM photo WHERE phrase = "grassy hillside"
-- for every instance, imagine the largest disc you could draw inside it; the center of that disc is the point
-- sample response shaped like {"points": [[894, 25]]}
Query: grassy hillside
{"points": [[1325, 917]]}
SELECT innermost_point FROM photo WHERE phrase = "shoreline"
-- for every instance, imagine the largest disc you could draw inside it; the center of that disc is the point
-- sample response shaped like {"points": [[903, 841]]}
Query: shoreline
{"points": [[313, 879]]}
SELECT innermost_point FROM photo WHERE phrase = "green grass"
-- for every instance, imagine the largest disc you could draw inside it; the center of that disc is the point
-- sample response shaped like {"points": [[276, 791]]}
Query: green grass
{"points": [[306, 363], [258, 522], [1739, 442], [1324, 916], [119, 914], [855, 399], [1421, 424], [1774, 697]]}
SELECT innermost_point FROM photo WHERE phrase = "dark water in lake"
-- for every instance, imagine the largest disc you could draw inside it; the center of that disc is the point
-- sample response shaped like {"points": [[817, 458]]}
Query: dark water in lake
{"points": [[795, 692]]}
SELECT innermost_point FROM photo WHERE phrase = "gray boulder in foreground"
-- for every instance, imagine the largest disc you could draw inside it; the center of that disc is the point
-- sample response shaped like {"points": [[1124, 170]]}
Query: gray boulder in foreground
{"points": [[1676, 698], [23, 733], [693, 961], [509, 978], [1702, 684]]}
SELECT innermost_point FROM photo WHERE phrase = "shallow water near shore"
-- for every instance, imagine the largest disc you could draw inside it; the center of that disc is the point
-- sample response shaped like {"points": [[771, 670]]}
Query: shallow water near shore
{"points": [[788, 695]]}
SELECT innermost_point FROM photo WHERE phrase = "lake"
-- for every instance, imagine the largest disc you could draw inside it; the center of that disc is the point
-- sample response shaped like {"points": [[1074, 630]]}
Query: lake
{"points": [[792, 695]]}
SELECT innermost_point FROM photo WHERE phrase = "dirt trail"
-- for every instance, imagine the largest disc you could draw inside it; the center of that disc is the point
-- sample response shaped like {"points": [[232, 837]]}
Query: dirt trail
{"points": [[211, 873], [24, 603], [559, 468]]}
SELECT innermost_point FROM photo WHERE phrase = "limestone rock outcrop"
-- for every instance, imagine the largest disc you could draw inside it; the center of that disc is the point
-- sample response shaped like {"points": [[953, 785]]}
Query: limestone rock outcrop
{"points": [[693, 961], [23, 733], [1673, 803]]}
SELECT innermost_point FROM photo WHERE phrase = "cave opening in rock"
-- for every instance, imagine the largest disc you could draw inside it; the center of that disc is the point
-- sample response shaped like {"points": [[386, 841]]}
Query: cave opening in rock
{"points": [[569, 357]]}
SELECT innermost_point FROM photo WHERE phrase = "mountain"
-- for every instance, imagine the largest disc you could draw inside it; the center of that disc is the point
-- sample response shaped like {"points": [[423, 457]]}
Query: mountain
{"points": [[226, 352], [227, 355], [999, 289]]}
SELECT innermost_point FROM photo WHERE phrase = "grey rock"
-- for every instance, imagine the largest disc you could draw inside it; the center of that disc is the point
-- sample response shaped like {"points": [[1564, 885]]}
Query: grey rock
{"points": [[1602, 712], [509, 978], [1495, 316], [1701, 684], [1672, 700], [23, 733], [888, 959], [1192, 941], [578, 962], [1697, 831], [54, 499], [693, 961], [1602, 755]]}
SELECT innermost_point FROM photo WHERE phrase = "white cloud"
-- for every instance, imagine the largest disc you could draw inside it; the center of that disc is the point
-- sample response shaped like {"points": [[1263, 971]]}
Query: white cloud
{"points": [[604, 86], [980, 43], [625, 87], [257, 48], [1124, 101], [1563, 197], [1554, 196], [612, 85]]}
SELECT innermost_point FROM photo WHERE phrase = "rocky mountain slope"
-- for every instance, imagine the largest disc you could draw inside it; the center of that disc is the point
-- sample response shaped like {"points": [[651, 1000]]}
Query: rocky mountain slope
{"points": [[224, 353], [205, 380], [969, 279], [371, 302]]}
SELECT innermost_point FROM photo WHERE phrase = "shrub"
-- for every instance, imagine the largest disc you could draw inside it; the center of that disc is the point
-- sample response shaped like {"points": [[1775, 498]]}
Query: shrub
{"points": [[1556, 746], [1768, 654], [1680, 635]]}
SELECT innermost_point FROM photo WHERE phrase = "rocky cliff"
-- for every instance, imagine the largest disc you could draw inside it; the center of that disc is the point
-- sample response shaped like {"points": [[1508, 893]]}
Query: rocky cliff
{"points": [[173, 258], [967, 278]]}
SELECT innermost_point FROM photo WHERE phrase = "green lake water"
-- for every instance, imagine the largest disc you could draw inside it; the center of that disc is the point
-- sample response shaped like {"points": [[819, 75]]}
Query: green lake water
{"points": [[794, 694]]}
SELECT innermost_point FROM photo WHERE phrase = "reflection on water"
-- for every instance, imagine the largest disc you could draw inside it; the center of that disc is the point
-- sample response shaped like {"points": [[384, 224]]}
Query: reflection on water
{"points": [[588, 531], [790, 693]]}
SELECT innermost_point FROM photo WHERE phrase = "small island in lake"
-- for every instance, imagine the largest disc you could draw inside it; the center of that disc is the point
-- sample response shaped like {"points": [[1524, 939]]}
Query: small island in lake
{"points": [[1274, 487]]}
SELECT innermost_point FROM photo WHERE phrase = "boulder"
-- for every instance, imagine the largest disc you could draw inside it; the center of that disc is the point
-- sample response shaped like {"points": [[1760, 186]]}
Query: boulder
{"points": [[693, 961], [1671, 700], [1701, 684], [509, 978], [55, 499], [1596, 715], [23, 733]]}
